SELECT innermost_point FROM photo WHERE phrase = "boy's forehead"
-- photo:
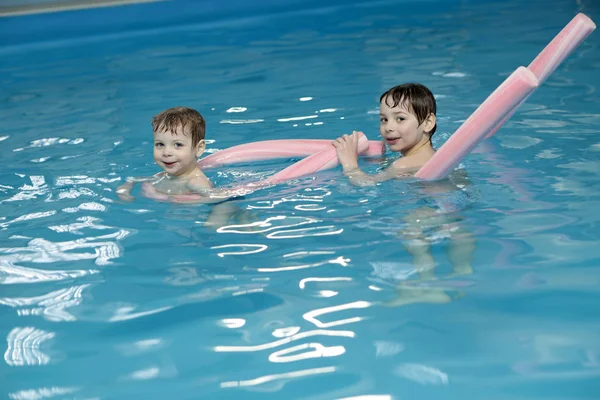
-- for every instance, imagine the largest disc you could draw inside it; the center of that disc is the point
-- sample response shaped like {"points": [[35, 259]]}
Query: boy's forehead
{"points": [[177, 130], [403, 105], [171, 135]]}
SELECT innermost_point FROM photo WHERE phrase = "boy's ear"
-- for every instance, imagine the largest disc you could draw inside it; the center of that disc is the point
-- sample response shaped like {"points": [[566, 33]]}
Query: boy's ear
{"points": [[429, 123], [200, 147]]}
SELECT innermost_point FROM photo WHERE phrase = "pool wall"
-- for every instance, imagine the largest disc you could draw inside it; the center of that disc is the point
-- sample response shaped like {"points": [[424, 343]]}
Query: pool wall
{"points": [[33, 24], [27, 23]]}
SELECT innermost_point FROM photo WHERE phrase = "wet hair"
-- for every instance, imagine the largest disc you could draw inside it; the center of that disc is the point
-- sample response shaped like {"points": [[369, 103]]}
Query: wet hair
{"points": [[417, 98], [189, 120]]}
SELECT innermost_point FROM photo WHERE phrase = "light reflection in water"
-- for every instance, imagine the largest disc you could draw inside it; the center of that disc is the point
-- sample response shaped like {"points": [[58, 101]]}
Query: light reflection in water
{"points": [[253, 249], [269, 378], [297, 118], [26, 192], [310, 316], [28, 217], [39, 250], [318, 351], [271, 204], [285, 332], [276, 343], [16, 274], [243, 292], [52, 305], [184, 276], [340, 261], [307, 253], [267, 224], [42, 393], [232, 323], [125, 313], [24, 347], [44, 251], [303, 282], [422, 374], [306, 232], [387, 349], [145, 374], [328, 293]]}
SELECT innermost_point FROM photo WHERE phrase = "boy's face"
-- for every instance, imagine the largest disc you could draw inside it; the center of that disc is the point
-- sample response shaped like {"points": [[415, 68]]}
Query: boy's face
{"points": [[400, 128], [174, 152]]}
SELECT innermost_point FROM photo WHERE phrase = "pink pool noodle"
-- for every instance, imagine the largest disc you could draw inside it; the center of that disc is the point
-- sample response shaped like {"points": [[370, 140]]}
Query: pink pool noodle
{"points": [[324, 159], [507, 96], [563, 44], [273, 149]]}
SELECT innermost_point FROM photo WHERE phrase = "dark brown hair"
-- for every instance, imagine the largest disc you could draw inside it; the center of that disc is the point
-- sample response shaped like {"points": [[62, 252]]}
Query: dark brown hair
{"points": [[416, 97], [189, 120]]}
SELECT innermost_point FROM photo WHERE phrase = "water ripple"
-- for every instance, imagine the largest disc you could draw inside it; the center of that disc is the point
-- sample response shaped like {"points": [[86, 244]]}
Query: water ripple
{"points": [[42, 393], [24, 347], [52, 306], [11, 274]]}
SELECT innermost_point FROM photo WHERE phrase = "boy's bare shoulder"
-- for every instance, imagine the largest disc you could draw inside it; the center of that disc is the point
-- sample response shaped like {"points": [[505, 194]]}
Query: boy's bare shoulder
{"points": [[200, 184], [403, 167]]}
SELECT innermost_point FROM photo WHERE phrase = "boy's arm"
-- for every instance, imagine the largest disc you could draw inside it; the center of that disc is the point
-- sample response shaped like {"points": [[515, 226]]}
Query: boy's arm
{"points": [[360, 178], [124, 191], [212, 195], [347, 152]]}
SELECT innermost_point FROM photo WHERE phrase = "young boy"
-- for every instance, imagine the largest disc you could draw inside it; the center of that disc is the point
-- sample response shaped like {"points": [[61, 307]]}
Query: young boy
{"points": [[407, 115], [178, 142], [407, 122]]}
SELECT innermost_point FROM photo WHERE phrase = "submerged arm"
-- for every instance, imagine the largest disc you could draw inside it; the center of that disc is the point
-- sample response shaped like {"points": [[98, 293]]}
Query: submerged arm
{"points": [[347, 152], [360, 178], [212, 195], [124, 191]]}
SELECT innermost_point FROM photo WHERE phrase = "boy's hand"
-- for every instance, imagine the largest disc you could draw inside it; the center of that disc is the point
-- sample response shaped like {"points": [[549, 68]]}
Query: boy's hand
{"points": [[347, 150], [124, 192], [126, 197]]}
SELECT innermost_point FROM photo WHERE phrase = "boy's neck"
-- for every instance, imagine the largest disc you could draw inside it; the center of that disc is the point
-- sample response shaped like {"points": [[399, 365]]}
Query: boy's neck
{"points": [[194, 173], [419, 147]]}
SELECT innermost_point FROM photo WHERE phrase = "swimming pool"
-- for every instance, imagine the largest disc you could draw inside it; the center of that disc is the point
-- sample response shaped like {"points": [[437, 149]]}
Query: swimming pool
{"points": [[104, 300]]}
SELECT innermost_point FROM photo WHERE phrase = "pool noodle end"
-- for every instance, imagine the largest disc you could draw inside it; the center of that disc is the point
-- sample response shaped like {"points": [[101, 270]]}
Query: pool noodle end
{"points": [[486, 117], [546, 62], [563, 44]]}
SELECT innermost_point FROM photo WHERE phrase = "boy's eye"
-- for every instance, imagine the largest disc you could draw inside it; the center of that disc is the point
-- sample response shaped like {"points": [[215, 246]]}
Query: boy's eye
{"points": [[400, 119], [158, 144], [382, 119], [178, 144]]}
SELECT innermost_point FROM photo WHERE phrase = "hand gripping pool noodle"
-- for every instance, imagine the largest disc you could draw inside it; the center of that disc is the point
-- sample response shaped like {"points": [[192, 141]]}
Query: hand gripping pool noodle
{"points": [[487, 116], [273, 149], [324, 159], [563, 44]]}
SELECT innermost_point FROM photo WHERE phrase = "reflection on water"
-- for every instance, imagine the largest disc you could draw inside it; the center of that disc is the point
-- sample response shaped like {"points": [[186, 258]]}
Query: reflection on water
{"points": [[42, 393], [23, 347], [315, 288], [52, 306]]}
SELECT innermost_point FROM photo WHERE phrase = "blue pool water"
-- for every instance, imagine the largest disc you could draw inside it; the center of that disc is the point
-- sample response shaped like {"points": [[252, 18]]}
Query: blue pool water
{"points": [[305, 299]]}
